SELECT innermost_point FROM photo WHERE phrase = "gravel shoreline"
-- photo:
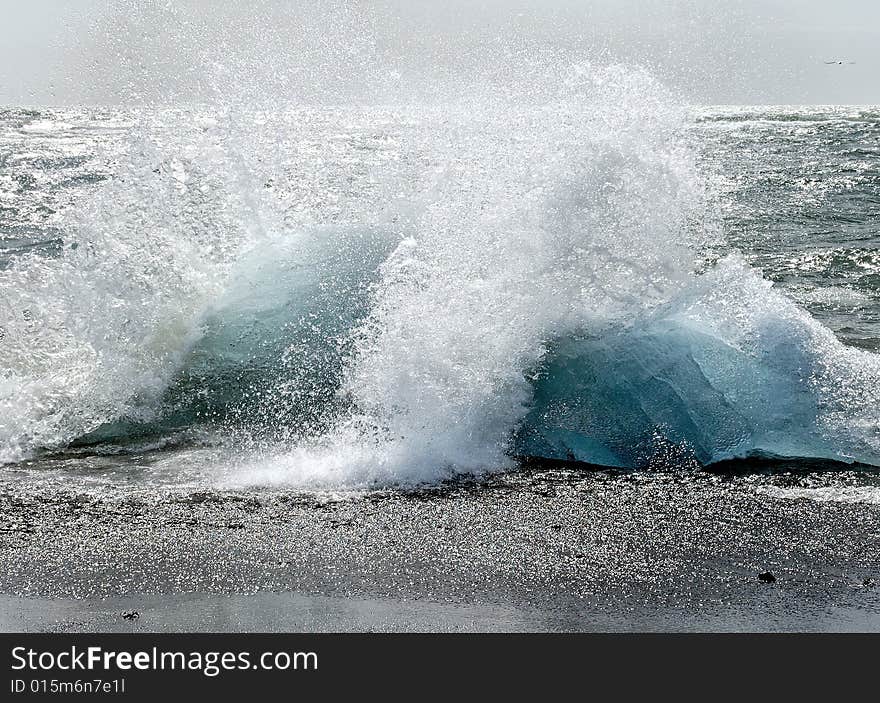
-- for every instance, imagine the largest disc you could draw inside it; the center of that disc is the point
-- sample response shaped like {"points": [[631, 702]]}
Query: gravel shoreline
{"points": [[532, 550]]}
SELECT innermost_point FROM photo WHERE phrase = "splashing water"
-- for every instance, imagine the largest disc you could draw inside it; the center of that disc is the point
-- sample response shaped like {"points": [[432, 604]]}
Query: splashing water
{"points": [[362, 295], [538, 221], [97, 332]]}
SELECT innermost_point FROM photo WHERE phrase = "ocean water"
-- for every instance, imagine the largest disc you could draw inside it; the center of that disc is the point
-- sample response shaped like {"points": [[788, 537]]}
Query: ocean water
{"points": [[330, 297]]}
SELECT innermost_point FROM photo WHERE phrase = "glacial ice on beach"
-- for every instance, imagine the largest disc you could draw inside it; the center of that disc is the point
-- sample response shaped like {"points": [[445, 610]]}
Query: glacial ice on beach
{"points": [[730, 369]]}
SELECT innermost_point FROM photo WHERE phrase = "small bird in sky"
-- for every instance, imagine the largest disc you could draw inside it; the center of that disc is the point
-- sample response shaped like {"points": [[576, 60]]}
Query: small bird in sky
{"points": [[840, 63]]}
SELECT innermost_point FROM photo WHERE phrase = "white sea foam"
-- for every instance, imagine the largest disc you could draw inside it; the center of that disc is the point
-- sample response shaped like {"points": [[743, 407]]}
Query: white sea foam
{"points": [[869, 495]]}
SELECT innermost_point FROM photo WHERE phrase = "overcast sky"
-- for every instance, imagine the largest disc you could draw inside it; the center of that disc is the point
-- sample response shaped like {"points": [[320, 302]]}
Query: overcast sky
{"points": [[740, 51]]}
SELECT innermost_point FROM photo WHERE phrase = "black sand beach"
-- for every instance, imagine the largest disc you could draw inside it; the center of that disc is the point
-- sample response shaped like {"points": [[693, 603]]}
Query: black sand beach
{"points": [[535, 550]]}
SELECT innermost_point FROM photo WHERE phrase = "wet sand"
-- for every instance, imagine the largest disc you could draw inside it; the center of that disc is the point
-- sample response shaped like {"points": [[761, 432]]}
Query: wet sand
{"points": [[535, 550]]}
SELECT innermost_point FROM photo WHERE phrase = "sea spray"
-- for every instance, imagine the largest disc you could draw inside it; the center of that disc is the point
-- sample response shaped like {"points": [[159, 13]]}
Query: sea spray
{"points": [[517, 261], [539, 220], [97, 332]]}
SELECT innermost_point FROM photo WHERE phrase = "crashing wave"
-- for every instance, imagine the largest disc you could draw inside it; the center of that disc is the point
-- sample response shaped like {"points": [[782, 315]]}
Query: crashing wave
{"points": [[417, 292]]}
